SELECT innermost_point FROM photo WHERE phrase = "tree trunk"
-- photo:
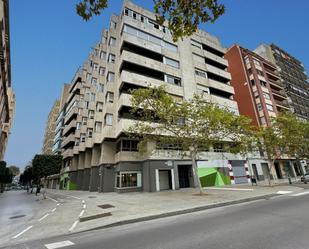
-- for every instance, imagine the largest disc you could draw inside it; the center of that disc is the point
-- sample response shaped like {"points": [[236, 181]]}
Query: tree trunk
{"points": [[271, 164], [197, 182]]}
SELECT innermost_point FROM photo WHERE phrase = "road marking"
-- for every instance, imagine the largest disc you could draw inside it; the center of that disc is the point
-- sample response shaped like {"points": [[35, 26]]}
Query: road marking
{"points": [[84, 206], [81, 213], [58, 204], [83, 201], [46, 215], [302, 193], [17, 235], [282, 192], [53, 210], [231, 189], [52, 199], [73, 226], [59, 244]]}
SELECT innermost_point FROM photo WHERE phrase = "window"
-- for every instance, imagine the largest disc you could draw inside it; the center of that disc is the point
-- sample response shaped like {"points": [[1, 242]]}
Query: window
{"points": [[103, 39], [127, 145], [110, 77], [93, 81], [200, 73], [269, 107], [153, 24], [91, 114], [78, 125], [100, 87], [112, 41], [134, 15], [88, 76], [95, 66], [103, 55], [98, 127], [110, 97], [108, 119], [259, 72], [263, 83], [199, 58], [113, 25], [252, 82], [129, 179], [86, 104], [266, 95], [77, 141], [172, 80], [256, 62], [84, 120], [82, 137], [259, 106], [99, 107], [167, 146], [171, 62], [89, 132], [102, 70], [111, 58], [196, 44], [263, 120], [92, 96], [170, 46]]}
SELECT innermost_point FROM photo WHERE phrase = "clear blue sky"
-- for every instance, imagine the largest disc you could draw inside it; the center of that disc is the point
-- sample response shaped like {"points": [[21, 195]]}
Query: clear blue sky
{"points": [[49, 42]]}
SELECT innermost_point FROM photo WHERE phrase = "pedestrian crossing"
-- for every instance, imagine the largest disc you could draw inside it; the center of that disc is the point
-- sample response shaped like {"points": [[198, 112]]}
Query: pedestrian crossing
{"points": [[291, 193]]}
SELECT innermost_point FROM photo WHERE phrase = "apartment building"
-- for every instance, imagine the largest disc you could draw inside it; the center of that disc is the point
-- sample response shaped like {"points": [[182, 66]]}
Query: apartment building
{"points": [[136, 52], [57, 139], [260, 95], [293, 75], [7, 96]]}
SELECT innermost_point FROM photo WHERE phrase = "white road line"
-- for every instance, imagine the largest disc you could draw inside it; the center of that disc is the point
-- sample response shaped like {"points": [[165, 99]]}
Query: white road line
{"points": [[46, 215], [73, 226], [282, 192], [59, 244], [83, 201], [231, 189], [81, 213], [52, 199], [58, 204], [302, 193], [17, 235], [84, 206], [53, 210]]}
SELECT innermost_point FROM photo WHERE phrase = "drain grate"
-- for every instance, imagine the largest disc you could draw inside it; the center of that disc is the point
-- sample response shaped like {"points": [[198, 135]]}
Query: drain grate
{"points": [[18, 216], [91, 196], [105, 206]]}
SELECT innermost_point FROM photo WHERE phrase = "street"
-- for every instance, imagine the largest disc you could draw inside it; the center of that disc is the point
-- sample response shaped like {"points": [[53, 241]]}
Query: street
{"points": [[281, 222]]}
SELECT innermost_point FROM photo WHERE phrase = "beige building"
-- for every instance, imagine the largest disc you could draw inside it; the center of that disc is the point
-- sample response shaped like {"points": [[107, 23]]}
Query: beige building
{"points": [[7, 96], [134, 52], [50, 129]]}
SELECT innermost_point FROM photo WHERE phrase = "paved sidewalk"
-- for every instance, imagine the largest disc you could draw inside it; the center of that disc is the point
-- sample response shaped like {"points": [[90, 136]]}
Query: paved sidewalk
{"points": [[137, 206]]}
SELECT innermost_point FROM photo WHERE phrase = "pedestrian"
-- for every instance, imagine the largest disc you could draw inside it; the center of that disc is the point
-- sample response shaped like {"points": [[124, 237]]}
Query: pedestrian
{"points": [[38, 189]]}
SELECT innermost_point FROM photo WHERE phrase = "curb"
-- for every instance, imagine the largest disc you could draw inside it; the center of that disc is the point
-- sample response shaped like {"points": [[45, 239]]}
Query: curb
{"points": [[175, 213]]}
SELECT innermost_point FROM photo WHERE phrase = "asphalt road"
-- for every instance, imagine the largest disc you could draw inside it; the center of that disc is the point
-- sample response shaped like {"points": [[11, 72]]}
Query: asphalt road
{"points": [[281, 222]]}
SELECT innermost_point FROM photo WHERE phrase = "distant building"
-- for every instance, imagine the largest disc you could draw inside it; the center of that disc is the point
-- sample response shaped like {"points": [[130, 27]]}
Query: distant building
{"points": [[7, 96], [50, 129], [293, 75], [260, 95]]}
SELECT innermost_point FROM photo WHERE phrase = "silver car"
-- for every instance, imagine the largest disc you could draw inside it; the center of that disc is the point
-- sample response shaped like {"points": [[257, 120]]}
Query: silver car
{"points": [[305, 178]]}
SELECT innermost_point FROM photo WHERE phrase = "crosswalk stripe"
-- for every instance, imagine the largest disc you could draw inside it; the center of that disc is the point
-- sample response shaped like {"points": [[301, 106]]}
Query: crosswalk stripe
{"points": [[302, 193], [59, 244]]}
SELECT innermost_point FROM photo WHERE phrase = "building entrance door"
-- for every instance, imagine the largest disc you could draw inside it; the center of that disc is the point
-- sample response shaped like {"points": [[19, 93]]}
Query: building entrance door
{"points": [[255, 172], [184, 175], [165, 179]]}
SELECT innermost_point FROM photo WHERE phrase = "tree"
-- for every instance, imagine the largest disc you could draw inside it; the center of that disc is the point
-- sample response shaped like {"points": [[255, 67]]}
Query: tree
{"points": [[27, 176], [5, 175], [193, 124], [182, 16], [283, 138], [14, 170], [45, 165]]}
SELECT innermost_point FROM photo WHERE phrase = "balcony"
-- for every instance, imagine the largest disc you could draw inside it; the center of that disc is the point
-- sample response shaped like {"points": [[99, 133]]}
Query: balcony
{"points": [[278, 94], [67, 153], [219, 72], [71, 125], [124, 100], [282, 104], [274, 83], [73, 112], [220, 85], [67, 140]]}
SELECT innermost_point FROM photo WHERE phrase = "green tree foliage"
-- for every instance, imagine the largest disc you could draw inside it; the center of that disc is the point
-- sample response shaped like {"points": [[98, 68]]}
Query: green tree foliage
{"points": [[45, 165], [182, 16], [287, 137], [193, 124], [27, 176], [5, 175], [14, 170]]}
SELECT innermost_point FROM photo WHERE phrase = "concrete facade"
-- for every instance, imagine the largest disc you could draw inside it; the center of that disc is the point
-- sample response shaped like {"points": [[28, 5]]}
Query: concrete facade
{"points": [[7, 96], [134, 52]]}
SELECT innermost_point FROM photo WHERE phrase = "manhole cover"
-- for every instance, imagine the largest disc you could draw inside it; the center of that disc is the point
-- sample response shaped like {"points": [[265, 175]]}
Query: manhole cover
{"points": [[104, 206], [17, 216], [91, 196]]}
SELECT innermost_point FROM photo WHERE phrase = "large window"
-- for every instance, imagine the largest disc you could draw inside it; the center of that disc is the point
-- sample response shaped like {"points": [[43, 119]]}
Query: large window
{"points": [[127, 145], [171, 62], [110, 77], [111, 58], [172, 80], [112, 41], [200, 73], [129, 179], [108, 119]]}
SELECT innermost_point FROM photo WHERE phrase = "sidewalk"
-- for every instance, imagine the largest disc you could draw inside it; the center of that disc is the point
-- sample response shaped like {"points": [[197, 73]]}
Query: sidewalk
{"points": [[139, 206]]}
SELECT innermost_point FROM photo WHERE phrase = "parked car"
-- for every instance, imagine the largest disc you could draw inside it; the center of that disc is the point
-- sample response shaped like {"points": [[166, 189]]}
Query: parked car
{"points": [[305, 178]]}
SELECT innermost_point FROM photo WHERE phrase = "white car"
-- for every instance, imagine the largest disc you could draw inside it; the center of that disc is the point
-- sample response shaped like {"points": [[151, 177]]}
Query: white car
{"points": [[305, 178]]}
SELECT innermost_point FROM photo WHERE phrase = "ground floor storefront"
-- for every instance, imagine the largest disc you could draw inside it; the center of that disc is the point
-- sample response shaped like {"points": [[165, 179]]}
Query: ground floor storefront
{"points": [[155, 175]]}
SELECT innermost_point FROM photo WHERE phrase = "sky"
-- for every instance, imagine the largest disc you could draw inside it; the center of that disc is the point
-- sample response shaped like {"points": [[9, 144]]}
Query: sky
{"points": [[49, 41]]}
